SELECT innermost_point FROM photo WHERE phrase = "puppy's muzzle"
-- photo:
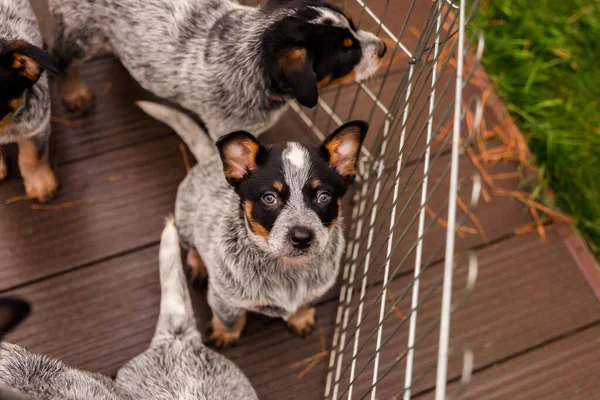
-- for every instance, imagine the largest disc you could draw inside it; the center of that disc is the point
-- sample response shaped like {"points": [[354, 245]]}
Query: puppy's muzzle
{"points": [[301, 237]]}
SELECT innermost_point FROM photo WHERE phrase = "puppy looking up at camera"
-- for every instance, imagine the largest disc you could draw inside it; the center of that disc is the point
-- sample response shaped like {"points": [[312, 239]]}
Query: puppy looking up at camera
{"points": [[235, 66], [265, 221], [25, 97]]}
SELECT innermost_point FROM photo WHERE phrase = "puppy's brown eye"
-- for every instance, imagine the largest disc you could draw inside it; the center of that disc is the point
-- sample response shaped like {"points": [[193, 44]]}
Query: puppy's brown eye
{"points": [[269, 199], [348, 42], [323, 197]]}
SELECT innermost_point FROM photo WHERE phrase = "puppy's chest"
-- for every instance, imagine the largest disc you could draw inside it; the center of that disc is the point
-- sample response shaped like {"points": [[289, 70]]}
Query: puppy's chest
{"points": [[279, 290]]}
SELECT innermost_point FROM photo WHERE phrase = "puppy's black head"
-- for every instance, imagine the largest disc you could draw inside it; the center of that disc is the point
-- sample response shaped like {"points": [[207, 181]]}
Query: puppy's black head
{"points": [[291, 193], [313, 45], [12, 312], [21, 65]]}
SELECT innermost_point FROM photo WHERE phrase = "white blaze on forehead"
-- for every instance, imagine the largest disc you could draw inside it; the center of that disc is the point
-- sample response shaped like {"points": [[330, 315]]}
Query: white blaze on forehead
{"points": [[296, 155], [327, 14], [296, 171]]}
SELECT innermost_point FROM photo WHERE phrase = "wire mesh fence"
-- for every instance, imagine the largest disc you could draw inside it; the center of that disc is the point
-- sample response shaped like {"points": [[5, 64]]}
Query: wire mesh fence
{"points": [[402, 278]]}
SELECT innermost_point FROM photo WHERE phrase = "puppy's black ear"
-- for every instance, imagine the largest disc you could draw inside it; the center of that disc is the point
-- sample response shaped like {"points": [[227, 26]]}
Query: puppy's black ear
{"points": [[28, 61], [297, 67], [342, 147], [12, 312], [240, 152]]}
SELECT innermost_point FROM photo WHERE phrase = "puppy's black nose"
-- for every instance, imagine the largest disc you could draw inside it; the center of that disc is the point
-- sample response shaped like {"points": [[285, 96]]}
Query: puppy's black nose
{"points": [[381, 49], [301, 237]]}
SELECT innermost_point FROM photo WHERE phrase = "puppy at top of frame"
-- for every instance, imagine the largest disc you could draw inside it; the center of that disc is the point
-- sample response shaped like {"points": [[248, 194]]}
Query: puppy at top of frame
{"points": [[263, 223], [235, 66], [25, 98]]}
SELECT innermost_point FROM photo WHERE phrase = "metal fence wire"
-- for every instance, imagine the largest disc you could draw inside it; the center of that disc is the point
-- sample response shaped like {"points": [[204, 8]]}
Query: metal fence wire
{"points": [[392, 334]]}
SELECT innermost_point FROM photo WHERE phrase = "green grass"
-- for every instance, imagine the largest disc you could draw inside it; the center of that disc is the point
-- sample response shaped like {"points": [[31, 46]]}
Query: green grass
{"points": [[544, 59]]}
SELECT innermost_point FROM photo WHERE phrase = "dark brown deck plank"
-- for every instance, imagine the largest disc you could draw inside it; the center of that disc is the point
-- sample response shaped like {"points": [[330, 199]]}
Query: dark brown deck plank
{"points": [[565, 369], [525, 295], [127, 214], [114, 123]]}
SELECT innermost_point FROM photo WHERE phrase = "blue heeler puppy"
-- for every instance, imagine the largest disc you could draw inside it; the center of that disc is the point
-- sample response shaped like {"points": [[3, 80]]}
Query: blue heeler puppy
{"points": [[25, 97], [235, 66], [266, 221]]}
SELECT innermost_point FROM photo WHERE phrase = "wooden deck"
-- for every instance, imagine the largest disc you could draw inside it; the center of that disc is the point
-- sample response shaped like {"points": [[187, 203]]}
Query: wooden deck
{"points": [[90, 270]]}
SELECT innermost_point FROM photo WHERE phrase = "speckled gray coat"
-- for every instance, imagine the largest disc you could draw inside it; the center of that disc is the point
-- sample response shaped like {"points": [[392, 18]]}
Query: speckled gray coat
{"points": [[205, 55], [44, 378]]}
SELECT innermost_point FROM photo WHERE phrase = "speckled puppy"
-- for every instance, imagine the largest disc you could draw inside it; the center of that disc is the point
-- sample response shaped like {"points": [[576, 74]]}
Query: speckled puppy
{"points": [[269, 230], [177, 365], [30, 376], [235, 66], [25, 98]]}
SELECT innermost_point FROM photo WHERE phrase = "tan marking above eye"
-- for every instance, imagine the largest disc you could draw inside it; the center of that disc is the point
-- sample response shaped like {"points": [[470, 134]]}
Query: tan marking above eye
{"points": [[348, 42], [316, 183], [278, 186]]}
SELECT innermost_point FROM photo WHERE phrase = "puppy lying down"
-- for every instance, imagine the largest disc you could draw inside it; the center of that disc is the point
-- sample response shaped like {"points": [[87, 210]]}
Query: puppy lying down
{"points": [[177, 365], [235, 66], [265, 221]]}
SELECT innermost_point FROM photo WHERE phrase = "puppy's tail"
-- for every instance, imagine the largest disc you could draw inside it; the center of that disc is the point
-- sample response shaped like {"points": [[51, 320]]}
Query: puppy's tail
{"points": [[176, 313], [196, 138]]}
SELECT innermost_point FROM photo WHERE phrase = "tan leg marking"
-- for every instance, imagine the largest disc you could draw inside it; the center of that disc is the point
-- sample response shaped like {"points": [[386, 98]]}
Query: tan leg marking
{"points": [[197, 267], [40, 182], [76, 94], [223, 336], [302, 322]]}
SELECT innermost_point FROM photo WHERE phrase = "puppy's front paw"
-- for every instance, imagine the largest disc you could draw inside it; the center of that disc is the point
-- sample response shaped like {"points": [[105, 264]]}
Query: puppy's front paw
{"points": [[224, 337], [41, 184], [76, 95], [302, 322]]}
